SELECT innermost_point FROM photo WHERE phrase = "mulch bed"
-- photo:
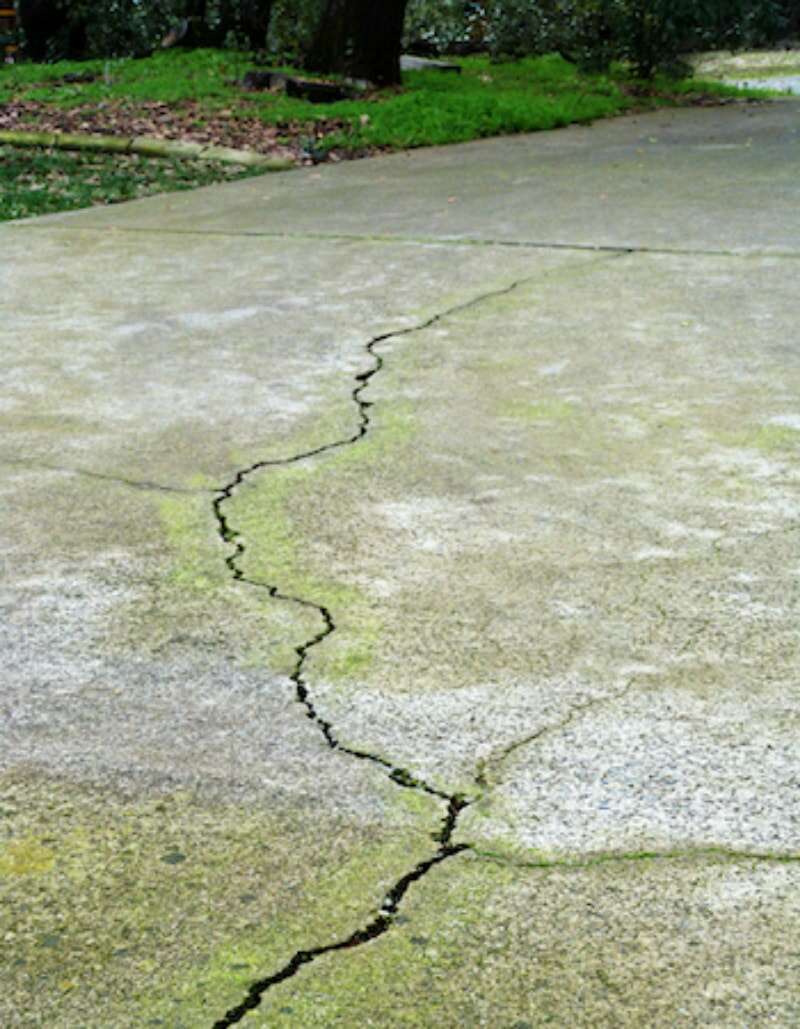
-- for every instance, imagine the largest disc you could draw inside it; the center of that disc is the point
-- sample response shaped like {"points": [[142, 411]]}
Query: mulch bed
{"points": [[190, 122], [186, 121]]}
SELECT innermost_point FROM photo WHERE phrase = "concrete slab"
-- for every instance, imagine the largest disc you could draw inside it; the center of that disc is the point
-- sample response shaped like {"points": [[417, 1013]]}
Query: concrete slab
{"points": [[311, 540], [782, 83], [691, 942], [599, 510], [720, 179], [409, 62], [151, 359]]}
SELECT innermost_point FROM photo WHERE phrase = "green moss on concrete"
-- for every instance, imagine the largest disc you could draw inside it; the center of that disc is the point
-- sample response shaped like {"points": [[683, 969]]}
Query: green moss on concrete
{"points": [[618, 945], [25, 857], [532, 858], [118, 911], [188, 598], [767, 438], [776, 437], [191, 594], [192, 538], [280, 515]]}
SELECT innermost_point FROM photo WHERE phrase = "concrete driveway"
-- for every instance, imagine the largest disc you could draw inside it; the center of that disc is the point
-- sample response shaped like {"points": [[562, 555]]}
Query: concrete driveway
{"points": [[401, 591]]}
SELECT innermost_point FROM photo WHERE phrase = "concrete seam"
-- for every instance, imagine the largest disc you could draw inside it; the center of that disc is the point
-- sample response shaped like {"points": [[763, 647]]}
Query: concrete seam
{"points": [[612, 248]]}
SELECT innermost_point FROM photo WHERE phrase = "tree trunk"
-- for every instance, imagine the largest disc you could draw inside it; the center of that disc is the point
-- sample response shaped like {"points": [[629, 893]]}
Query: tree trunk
{"points": [[255, 17], [329, 48], [377, 41], [359, 38], [41, 20]]}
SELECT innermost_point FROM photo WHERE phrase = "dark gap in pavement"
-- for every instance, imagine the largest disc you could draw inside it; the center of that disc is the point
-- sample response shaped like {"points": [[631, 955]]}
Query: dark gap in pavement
{"points": [[455, 802]]}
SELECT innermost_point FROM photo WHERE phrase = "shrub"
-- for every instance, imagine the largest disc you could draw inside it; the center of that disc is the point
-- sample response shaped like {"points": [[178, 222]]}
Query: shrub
{"points": [[519, 28], [446, 26], [116, 28], [650, 35], [292, 28], [733, 23]]}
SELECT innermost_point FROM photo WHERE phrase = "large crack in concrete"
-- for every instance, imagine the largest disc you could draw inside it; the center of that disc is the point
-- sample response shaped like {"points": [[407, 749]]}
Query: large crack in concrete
{"points": [[455, 803]]}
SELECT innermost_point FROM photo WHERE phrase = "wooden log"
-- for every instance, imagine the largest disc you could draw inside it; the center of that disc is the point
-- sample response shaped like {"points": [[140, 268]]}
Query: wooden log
{"points": [[146, 146], [67, 141]]}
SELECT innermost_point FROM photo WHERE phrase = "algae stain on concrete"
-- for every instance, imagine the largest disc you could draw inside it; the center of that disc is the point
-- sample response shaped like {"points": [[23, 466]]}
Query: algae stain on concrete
{"points": [[776, 437], [145, 905], [192, 595], [191, 538], [275, 550], [334, 904], [546, 410], [274, 516], [25, 857], [185, 598]]}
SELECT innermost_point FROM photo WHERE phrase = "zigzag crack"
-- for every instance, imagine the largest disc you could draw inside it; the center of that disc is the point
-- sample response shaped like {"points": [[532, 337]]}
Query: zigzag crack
{"points": [[377, 927], [455, 802]]}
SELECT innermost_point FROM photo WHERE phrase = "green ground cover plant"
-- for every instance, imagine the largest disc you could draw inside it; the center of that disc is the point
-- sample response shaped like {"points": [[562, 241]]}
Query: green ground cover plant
{"points": [[196, 95], [432, 108], [44, 181]]}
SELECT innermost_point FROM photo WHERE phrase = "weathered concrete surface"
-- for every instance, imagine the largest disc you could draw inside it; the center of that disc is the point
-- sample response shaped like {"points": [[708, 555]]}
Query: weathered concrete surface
{"points": [[720, 181], [221, 347], [560, 568], [689, 942]]}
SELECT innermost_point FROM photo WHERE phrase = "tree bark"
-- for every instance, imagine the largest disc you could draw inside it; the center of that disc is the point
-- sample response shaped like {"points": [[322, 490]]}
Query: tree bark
{"points": [[377, 40], [360, 38], [44, 20], [328, 52], [255, 17]]}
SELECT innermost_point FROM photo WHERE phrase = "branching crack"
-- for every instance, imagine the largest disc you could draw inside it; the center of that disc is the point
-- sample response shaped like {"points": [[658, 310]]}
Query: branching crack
{"points": [[455, 803], [487, 770]]}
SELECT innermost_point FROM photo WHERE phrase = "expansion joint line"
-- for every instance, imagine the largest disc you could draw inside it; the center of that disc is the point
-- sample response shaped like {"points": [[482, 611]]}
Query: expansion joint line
{"points": [[454, 803]]}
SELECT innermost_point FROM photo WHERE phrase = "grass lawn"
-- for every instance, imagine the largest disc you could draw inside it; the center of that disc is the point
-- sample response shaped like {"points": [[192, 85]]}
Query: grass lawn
{"points": [[43, 181], [433, 107], [195, 95]]}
